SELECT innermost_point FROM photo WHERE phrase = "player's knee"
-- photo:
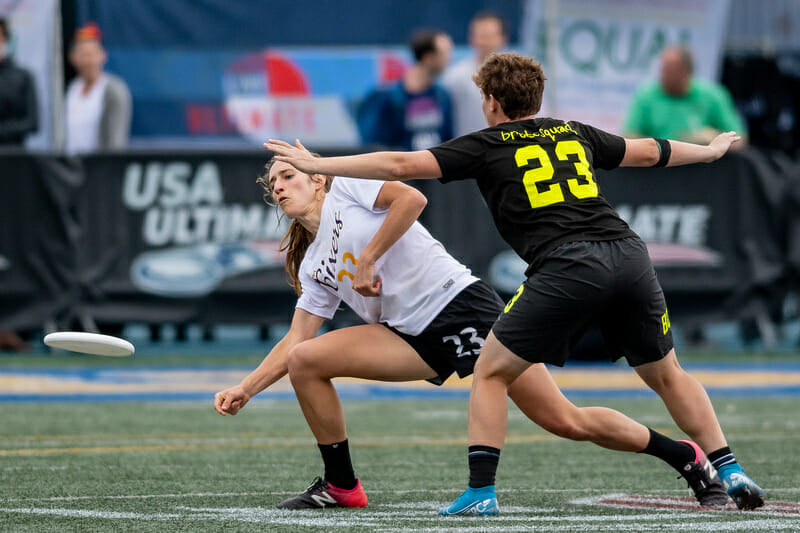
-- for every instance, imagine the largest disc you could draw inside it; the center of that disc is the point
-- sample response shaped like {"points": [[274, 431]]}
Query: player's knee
{"points": [[492, 370], [302, 362], [663, 375]]}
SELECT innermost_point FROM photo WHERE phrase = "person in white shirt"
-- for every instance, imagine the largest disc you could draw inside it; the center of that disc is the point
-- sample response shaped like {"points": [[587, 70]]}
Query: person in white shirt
{"points": [[487, 34], [426, 317], [98, 104]]}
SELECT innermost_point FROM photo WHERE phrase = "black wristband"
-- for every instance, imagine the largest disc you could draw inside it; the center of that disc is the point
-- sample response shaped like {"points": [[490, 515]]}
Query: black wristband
{"points": [[664, 150]]}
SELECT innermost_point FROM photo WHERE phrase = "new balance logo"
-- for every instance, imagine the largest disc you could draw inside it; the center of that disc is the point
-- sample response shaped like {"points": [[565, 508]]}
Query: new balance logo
{"points": [[322, 498]]}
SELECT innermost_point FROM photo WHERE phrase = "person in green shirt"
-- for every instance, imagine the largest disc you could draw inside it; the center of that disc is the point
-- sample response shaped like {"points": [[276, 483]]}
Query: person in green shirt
{"points": [[681, 106]]}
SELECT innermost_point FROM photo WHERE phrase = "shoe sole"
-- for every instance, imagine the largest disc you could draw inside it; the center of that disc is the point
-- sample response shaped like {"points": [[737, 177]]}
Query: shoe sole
{"points": [[747, 501]]}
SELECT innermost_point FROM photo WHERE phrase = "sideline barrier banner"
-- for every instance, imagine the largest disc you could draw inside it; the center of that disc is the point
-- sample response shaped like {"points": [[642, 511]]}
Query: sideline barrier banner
{"points": [[39, 239], [180, 237], [185, 237]]}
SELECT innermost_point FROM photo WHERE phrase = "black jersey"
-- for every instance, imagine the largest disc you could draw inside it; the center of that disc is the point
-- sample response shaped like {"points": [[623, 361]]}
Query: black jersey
{"points": [[537, 177]]}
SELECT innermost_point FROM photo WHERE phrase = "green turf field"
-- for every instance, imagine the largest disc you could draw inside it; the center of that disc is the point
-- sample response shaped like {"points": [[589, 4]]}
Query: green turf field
{"points": [[181, 467]]}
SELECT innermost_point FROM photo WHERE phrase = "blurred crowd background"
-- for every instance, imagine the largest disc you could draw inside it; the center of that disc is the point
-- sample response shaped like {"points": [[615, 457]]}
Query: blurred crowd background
{"points": [[130, 137]]}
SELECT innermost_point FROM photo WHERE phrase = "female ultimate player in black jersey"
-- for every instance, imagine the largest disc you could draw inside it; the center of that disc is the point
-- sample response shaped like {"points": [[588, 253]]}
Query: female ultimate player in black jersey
{"points": [[585, 264]]}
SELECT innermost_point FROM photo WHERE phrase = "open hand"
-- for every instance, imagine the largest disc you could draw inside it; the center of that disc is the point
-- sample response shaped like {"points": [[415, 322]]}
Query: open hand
{"points": [[297, 156], [722, 143]]}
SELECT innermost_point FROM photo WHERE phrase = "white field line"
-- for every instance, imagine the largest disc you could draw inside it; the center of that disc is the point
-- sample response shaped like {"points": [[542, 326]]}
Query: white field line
{"points": [[672, 504], [292, 492], [83, 513], [764, 525], [400, 492], [31, 467], [385, 520]]}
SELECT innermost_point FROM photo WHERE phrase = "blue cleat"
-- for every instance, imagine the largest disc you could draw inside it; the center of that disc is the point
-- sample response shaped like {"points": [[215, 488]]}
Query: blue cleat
{"points": [[741, 488], [478, 502]]}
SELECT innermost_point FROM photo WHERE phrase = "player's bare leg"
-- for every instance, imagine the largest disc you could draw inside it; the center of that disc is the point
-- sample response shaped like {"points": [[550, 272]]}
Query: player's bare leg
{"points": [[312, 364], [496, 368], [690, 407], [539, 398], [368, 352], [685, 399], [537, 395], [498, 371]]}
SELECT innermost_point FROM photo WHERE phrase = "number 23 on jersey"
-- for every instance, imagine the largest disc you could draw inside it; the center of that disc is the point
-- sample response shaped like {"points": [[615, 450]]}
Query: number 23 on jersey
{"points": [[580, 188]]}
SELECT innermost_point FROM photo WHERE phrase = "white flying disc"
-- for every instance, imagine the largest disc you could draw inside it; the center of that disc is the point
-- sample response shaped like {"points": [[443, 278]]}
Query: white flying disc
{"points": [[93, 343]]}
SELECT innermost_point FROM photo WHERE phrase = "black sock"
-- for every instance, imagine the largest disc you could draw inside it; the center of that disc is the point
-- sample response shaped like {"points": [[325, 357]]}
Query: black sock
{"points": [[482, 465], [338, 468], [723, 456], [674, 453]]}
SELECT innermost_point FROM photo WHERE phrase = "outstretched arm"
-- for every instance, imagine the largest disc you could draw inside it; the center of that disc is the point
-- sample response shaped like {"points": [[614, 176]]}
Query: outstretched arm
{"points": [[405, 205], [387, 166], [646, 153], [272, 368]]}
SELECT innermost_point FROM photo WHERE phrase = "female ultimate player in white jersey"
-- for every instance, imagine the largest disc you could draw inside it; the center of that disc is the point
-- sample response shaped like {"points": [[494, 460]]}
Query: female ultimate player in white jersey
{"points": [[427, 317]]}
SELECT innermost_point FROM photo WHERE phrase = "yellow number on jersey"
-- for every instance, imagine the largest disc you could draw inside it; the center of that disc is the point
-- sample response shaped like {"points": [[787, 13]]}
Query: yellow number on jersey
{"points": [[581, 190], [554, 194]]}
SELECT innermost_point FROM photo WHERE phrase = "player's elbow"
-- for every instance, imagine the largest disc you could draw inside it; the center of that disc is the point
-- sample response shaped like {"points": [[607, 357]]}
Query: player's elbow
{"points": [[418, 200], [650, 154], [398, 173], [402, 168]]}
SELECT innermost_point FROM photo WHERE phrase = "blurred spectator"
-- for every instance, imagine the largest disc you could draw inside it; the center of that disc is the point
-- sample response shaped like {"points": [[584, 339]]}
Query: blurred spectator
{"points": [[414, 113], [682, 107], [487, 34], [19, 114], [98, 103], [18, 117]]}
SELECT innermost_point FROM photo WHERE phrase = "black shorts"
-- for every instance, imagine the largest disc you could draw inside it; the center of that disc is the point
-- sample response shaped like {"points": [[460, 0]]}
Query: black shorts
{"points": [[610, 284], [453, 340]]}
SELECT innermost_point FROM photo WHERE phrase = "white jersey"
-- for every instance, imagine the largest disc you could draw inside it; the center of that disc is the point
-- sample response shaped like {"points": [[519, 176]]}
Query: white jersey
{"points": [[419, 278]]}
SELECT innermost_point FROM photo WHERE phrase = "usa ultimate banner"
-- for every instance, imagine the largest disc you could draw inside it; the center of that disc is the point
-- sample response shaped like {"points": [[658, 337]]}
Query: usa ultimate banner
{"points": [[595, 53]]}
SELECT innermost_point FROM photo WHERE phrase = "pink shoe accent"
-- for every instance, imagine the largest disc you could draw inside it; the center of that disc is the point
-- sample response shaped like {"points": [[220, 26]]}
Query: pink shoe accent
{"points": [[355, 497], [699, 456]]}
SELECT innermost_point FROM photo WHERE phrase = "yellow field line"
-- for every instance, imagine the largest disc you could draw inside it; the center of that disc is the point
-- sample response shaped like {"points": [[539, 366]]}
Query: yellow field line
{"points": [[27, 452], [208, 382], [106, 436], [75, 450]]}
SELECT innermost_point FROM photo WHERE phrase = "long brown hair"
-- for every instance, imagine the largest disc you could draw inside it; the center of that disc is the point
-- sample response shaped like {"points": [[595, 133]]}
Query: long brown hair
{"points": [[297, 238]]}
